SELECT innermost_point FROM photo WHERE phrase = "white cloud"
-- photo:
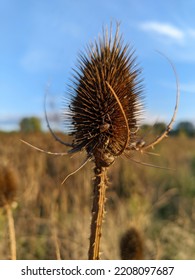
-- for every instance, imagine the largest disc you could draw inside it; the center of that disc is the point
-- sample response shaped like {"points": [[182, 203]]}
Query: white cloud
{"points": [[165, 29], [178, 42], [188, 87]]}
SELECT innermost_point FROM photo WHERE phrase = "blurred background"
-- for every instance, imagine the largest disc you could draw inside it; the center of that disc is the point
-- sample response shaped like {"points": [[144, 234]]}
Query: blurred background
{"points": [[154, 207]]}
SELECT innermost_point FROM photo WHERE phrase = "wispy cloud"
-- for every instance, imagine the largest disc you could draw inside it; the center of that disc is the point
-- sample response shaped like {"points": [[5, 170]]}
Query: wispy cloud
{"points": [[185, 87], [188, 87], [180, 39], [164, 29]]}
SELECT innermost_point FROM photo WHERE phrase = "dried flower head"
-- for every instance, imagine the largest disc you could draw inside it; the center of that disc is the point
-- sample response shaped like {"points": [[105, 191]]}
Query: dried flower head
{"points": [[8, 185], [131, 245], [106, 97], [106, 103]]}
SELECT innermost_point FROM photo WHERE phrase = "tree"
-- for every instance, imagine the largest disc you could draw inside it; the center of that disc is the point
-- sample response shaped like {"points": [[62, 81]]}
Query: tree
{"points": [[32, 124], [186, 128], [159, 127]]}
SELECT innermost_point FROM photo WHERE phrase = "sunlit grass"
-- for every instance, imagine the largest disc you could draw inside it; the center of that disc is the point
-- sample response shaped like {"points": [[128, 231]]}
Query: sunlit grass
{"points": [[159, 203]]}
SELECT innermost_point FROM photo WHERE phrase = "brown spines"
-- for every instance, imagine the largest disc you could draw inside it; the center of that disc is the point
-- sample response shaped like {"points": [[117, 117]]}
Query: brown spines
{"points": [[106, 71]]}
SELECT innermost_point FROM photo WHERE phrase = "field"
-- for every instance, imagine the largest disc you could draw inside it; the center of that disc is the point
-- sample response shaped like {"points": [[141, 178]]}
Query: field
{"points": [[52, 221]]}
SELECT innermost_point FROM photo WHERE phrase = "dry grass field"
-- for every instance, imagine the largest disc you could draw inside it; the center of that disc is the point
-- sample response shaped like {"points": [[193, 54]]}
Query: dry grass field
{"points": [[52, 221]]}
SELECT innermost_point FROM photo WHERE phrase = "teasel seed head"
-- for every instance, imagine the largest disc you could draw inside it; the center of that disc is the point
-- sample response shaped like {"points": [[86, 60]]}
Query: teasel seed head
{"points": [[8, 185], [106, 95], [131, 245]]}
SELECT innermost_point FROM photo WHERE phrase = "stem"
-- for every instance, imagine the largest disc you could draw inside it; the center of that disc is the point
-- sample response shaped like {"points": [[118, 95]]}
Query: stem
{"points": [[11, 231], [100, 185], [56, 243], [54, 233]]}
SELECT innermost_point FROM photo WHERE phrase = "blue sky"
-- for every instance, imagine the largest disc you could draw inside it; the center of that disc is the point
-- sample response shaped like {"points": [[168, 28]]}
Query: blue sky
{"points": [[40, 41]]}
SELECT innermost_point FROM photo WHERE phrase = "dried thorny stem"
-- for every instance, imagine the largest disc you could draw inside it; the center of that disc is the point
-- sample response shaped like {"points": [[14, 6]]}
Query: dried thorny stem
{"points": [[12, 238], [100, 185]]}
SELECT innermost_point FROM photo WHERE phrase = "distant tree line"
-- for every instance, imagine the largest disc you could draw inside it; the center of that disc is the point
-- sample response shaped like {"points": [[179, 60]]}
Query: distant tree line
{"points": [[182, 128], [33, 124], [30, 124], [186, 128]]}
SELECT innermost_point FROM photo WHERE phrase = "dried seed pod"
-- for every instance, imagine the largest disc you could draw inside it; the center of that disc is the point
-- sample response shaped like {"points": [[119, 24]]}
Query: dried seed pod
{"points": [[131, 245], [8, 185], [105, 99], [8, 188]]}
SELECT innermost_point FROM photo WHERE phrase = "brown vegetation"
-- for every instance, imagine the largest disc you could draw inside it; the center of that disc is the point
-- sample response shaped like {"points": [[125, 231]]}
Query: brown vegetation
{"points": [[52, 221], [8, 190], [131, 245]]}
